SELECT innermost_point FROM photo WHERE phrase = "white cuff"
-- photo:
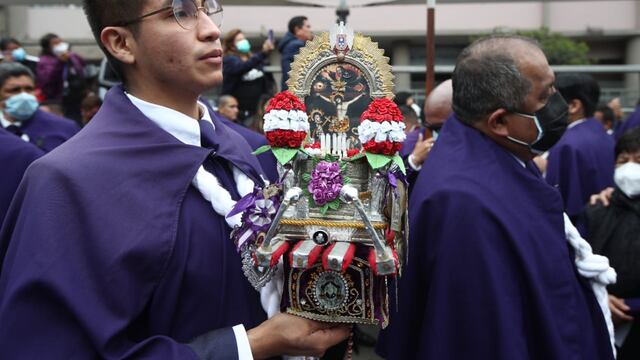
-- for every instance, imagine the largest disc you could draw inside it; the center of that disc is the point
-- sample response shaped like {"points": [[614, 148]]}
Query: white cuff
{"points": [[412, 164], [242, 342]]}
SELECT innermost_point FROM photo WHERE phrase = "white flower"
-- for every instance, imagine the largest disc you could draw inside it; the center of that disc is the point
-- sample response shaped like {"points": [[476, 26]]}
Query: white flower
{"points": [[295, 120], [393, 131]]}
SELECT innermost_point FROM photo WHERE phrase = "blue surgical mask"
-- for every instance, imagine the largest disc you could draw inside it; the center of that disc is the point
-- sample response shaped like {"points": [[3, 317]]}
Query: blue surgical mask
{"points": [[243, 46], [21, 106], [18, 54]]}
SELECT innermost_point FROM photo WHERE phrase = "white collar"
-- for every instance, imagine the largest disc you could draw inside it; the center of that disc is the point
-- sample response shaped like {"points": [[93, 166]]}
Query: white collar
{"points": [[181, 126], [5, 122], [576, 123]]}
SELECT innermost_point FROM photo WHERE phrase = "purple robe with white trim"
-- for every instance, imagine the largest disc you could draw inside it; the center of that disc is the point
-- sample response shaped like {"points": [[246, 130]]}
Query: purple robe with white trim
{"points": [[110, 252], [47, 130], [490, 274]]}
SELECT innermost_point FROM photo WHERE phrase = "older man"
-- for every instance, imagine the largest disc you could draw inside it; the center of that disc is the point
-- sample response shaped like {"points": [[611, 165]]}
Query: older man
{"points": [[20, 114], [490, 273], [118, 245]]}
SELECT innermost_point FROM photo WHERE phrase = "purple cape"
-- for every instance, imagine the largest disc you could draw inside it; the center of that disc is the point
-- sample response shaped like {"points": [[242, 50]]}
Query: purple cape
{"points": [[489, 275], [110, 252], [633, 121], [581, 164], [15, 157], [255, 140], [47, 131]]}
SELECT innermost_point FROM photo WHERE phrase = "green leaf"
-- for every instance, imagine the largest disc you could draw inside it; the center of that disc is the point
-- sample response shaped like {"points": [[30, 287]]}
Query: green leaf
{"points": [[346, 180], [356, 156], [261, 149], [306, 177], [334, 205], [284, 155], [377, 161], [324, 208], [398, 160]]}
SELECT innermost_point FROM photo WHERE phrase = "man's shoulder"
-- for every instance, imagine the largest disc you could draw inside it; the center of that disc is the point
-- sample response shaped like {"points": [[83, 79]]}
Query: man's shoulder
{"points": [[52, 120]]}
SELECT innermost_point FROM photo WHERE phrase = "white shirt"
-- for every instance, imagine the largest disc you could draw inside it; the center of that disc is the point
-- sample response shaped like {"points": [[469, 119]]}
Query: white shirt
{"points": [[5, 123], [187, 130]]}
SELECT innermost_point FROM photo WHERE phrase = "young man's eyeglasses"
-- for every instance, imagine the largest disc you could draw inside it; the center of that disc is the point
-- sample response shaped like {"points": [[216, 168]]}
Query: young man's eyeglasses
{"points": [[186, 13]]}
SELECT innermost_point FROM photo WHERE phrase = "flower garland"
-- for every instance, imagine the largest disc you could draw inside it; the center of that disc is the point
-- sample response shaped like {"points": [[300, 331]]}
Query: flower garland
{"points": [[324, 184], [381, 129], [286, 123]]}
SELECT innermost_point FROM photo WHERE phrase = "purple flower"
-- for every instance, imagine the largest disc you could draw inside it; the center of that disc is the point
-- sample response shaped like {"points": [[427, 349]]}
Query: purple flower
{"points": [[326, 182]]}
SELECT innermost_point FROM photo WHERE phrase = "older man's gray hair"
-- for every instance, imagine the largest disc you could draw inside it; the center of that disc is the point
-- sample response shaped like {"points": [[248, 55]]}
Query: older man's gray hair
{"points": [[487, 77], [13, 69]]}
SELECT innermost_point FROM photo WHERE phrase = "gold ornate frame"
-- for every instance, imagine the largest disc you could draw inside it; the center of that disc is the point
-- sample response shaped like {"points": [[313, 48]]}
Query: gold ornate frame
{"points": [[365, 55]]}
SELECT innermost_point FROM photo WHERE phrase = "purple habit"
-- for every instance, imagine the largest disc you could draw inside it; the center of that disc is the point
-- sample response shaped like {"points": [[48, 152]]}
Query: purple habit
{"points": [[633, 121], [581, 164], [15, 157], [47, 130], [109, 251], [490, 274], [255, 140]]}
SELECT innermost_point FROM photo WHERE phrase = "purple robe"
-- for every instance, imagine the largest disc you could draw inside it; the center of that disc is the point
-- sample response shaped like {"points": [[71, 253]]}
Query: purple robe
{"points": [[581, 164], [633, 121], [50, 73], [110, 252], [47, 130], [15, 157], [255, 140], [490, 274]]}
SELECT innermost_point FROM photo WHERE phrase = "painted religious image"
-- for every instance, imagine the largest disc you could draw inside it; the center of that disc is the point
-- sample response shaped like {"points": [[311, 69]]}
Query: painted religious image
{"points": [[339, 95]]}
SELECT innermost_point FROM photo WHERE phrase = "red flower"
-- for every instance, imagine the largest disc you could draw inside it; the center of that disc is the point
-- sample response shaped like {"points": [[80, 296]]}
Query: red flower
{"points": [[285, 101], [352, 152], [382, 147], [315, 145], [380, 110], [285, 138]]}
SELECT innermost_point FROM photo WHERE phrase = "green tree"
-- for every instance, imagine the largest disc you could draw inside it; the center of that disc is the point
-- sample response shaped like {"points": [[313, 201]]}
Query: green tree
{"points": [[559, 49]]}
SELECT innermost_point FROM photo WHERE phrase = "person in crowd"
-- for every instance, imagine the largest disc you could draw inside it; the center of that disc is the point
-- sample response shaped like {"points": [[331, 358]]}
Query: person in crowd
{"points": [[490, 273], [15, 157], [632, 122], [118, 244], [89, 107], [228, 107], [20, 113], [299, 33], [256, 122], [416, 148], [60, 75], [411, 122], [606, 116], [12, 50], [405, 98], [582, 162], [614, 231], [244, 77]]}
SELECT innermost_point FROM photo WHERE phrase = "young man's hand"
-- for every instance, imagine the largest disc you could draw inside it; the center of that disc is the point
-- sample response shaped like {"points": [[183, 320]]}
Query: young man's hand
{"points": [[286, 334], [604, 196]]}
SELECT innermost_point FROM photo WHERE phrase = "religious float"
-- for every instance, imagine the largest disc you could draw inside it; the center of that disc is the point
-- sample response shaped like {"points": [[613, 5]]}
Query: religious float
{"points": [[337, 219]]}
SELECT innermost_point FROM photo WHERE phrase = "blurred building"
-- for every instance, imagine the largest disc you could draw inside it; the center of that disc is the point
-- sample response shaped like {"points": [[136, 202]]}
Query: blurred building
{"points": [[611, 29]]}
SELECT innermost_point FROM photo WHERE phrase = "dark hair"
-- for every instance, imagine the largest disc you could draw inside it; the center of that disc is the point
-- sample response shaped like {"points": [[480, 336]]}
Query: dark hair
{"points": [[487, 77], [409, 114], [582, 87], [13, 69], [607, 114], [401, 98], [296, 22], [4, 43], [103, 13], [229, 43], [45, 44], [629, 142], [90, 101]]}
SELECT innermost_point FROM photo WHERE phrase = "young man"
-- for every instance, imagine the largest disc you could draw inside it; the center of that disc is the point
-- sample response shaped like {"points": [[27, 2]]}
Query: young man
{"points": [[490, 273], [20, 114], [118, 245], [299, 33], [582, 162]]}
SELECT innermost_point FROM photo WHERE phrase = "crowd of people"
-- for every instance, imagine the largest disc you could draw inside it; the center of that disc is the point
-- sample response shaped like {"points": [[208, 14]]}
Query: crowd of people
{"points": [[524, 198]]}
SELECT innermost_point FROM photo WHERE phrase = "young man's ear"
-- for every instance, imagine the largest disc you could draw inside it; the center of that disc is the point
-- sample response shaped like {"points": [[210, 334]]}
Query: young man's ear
{"points": [[119, 42], [575, 106], [497, 123]]}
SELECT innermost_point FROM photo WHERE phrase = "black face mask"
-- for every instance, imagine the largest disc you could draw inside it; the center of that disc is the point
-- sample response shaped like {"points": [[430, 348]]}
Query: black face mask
{"points": [[551, 120]]}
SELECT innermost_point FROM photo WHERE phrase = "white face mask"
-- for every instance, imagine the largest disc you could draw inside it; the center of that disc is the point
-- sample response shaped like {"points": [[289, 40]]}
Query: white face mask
{"points": [[60, 49], [627, 178]]}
